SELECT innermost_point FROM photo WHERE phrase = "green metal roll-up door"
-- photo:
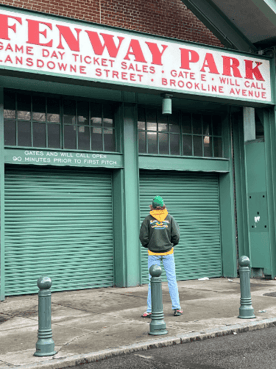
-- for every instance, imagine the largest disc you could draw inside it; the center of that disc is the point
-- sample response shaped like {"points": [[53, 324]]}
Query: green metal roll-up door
{"points": [[59, 223], [193, 200]]}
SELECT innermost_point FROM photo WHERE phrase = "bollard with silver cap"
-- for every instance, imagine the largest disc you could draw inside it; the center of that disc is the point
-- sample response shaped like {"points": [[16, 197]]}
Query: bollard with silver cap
{"points": [[246, 310], [45, 345], [157, 325]]}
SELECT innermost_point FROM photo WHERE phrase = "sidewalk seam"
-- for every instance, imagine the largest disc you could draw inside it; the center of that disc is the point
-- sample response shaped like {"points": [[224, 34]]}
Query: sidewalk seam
{"points": [[56, 363]]}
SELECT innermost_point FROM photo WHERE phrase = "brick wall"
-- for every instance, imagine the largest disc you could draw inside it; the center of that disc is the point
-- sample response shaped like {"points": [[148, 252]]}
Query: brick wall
{"points": [[168, 18]]}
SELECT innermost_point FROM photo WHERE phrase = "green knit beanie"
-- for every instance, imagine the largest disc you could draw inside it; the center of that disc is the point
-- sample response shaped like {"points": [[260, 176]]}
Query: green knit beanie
{"points": [[157, 201]]}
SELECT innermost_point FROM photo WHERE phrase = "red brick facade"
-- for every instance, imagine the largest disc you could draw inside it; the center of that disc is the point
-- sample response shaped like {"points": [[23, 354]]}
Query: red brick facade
{"points": [[169, 18]]}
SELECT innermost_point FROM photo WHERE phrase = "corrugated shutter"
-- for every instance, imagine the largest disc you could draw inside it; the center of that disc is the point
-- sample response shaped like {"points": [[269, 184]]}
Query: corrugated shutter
{"points": [[193, 200], [59, 223]]}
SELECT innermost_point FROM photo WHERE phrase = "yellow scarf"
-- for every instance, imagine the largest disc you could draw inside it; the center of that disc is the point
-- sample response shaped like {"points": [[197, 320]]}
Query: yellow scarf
{"points": [[160, 215]]}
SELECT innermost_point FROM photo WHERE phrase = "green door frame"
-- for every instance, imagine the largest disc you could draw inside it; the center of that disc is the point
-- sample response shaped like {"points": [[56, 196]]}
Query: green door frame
{"points": [[240, 182], [126, 205], [269, 121], [227, 207], [131, 194]]}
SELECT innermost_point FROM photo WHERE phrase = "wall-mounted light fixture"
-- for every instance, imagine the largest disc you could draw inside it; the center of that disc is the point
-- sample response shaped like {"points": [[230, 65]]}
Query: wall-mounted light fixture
{"points": [[167, 104]]}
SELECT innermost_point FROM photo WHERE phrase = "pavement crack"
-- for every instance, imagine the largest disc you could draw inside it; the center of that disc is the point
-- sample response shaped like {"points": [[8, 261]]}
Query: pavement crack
{"points": [[7, 363], [70, 341], [73, 308], [29, 314], [129, 295]]}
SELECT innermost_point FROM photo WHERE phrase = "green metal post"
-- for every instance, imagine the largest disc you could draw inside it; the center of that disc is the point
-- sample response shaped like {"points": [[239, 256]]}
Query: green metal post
{"points": [[157, 325], [45, 345], [246, 310]]}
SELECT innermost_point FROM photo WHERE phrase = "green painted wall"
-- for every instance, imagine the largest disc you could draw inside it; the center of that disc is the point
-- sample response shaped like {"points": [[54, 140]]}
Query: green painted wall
{"points": [[126, 186], [269, 121], [240, 184], [259, 245], [2, 214], [227, 209], [255, 174], [131, 195], [119, 228], [184, 164]]}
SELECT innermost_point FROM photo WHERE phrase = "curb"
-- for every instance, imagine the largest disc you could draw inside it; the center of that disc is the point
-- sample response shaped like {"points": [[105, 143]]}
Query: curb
{"points": [[58, 363]]}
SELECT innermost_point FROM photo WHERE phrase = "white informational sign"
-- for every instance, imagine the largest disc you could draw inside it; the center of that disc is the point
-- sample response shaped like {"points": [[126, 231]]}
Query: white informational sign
{"points": [[79, 159], [79, 50]]}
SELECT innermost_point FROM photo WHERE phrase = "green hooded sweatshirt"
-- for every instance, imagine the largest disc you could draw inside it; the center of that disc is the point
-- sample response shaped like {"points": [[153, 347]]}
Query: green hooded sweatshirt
{"points": [[159, 231]]}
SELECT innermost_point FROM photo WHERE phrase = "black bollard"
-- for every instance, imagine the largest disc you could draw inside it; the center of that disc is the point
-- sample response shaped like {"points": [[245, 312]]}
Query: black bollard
{"points": [[45, 345], [157, 325], [246, 310]]}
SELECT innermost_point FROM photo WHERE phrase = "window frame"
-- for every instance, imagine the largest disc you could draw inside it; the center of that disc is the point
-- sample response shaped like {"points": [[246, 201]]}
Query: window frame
{"points": [[61, 98], [192, 134]]}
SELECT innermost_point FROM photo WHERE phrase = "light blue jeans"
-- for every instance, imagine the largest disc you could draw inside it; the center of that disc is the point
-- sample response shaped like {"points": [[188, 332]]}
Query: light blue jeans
{"points": [[169, 266]]}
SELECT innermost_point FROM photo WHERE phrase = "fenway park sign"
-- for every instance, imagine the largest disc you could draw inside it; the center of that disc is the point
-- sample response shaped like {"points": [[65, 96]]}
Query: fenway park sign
{"points": [[45, 45]]}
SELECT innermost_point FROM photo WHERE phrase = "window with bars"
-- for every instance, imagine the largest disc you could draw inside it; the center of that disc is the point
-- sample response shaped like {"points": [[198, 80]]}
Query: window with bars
{"points": [[180, 133], [58, 123], [158, 134]]}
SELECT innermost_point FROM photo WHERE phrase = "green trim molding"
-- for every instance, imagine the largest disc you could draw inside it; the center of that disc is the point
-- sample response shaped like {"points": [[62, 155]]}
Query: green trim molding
{"points": [[227, 208], [131, 195], [184, 164], [119, 228], [240, 185], [269, 120]]}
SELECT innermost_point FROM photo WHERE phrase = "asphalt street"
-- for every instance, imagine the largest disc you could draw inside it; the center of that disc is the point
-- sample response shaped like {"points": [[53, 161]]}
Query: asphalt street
{"points": [[252, 350]]}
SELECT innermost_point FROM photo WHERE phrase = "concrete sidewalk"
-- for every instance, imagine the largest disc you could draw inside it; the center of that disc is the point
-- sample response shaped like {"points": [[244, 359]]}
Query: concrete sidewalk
{"points": [[93, 324]]}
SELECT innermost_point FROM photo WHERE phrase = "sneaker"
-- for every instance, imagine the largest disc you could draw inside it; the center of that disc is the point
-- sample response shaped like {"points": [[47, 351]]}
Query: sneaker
{"points": [[146, 315], [177, 312]]}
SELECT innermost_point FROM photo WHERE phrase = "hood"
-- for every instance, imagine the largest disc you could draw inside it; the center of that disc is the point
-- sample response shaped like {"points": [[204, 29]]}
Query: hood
{"points": [[160, 215]]}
